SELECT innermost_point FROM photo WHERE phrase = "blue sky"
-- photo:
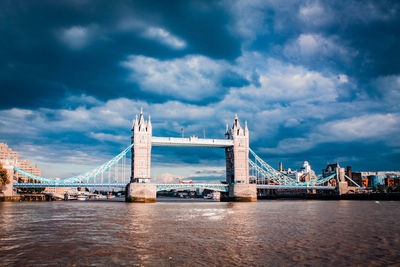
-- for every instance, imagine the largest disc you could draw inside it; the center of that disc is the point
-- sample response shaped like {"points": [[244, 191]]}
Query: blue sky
{"points": [[316, 81]]}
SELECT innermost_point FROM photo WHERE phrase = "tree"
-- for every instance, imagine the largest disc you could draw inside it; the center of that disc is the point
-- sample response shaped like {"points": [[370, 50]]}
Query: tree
{"points": [[4, 179]]}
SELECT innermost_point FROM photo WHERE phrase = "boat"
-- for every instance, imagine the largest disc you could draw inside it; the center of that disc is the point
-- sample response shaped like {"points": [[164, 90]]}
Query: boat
{"points": [[82, 198]]}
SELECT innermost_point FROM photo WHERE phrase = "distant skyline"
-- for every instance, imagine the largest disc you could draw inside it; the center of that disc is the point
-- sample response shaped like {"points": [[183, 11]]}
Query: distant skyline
{"points": [[317, 81]]}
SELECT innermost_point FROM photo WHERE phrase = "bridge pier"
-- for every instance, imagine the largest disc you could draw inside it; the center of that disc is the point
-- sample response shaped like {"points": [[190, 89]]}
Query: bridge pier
{"points": [[141, 192], [242, 192], [342, 187]]}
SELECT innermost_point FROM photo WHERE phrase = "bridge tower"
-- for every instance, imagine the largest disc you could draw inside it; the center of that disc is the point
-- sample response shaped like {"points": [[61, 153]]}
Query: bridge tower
{"points": [[237, 164], [139, 189], [342, 187]]}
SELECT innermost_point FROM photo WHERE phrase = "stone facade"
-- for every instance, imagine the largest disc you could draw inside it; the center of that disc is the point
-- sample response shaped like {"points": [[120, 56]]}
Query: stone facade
{"points": [[141, 192], [243, 192], [139, 189], [9, 159], [141, 151], [237, 164], [237, 157]]}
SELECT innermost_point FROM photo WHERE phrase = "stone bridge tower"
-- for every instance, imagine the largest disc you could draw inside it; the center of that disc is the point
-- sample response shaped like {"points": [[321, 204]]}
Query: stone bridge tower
{"points": [[141, 150], [237, 164], [139, 189]]}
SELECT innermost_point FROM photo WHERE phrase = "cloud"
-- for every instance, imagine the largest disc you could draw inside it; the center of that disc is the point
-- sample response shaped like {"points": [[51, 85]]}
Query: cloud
{"points": [[291, 83], [371, 126], [313, 13], [310, 47], [163, 36], [191, 78], [108, 137], [166, 178], [249, 17], [147, 30], [343, 78], [76, 37], [388, 88], [366, 128]]}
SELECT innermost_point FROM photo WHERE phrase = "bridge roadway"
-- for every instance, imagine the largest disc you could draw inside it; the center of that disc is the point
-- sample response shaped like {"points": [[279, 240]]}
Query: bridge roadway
{"points": [[190, 142], [162, 187]]}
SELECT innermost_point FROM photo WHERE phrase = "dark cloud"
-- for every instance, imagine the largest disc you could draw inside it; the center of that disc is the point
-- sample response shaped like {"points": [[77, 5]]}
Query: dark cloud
{"points": [[52, 49]]}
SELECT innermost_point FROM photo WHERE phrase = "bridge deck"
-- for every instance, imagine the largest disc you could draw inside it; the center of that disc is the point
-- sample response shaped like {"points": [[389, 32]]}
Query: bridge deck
{"points": [[190, 142], [218, 187]]}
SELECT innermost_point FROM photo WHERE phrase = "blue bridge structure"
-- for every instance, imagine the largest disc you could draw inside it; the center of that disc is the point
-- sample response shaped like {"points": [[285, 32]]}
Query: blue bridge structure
{"points": [[263, 175]]}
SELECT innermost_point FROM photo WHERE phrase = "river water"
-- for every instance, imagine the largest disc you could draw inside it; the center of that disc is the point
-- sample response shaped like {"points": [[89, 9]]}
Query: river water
{"points": [[177, 233]]}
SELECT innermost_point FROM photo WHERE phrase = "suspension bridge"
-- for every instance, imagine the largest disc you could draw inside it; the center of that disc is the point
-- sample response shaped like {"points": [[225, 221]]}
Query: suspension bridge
{"points": [[116, 173], [246, 172]]}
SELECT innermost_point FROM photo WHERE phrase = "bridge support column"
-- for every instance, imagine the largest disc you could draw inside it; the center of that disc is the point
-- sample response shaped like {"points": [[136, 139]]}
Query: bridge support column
{"points": [[237, 165], [140, 189], [342, 186], [243, 192], [141, 192]]}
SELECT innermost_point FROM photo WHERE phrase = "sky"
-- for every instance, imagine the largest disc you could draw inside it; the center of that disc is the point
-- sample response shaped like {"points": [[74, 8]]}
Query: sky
{"points": [[315, 80]]}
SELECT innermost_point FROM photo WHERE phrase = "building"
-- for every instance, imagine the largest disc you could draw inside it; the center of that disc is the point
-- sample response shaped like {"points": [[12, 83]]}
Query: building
{"points": [[392, 180], [378, 178], [59, 190], [305, 174], [330, 169], [27, 166], [367, 179], [356, 177], [6, 153], [10, 158]]}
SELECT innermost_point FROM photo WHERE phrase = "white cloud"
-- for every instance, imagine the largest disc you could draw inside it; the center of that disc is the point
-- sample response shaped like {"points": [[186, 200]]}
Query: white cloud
{"points": [[311, 12], [109, 137], [365, 128], [286, 82], [314, 13], [76, 37], [343, 78], [82, 99], [375, 126], [313, 46], [190, 78], [163, 36], [166, 178], [151, 32]]}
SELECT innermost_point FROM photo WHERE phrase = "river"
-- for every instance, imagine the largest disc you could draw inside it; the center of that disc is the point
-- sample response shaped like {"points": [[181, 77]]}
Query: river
{"points": [[190, 233]]}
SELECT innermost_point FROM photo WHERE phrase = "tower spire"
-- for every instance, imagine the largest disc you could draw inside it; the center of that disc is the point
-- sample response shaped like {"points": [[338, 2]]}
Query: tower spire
{"points": [[141, 119]]}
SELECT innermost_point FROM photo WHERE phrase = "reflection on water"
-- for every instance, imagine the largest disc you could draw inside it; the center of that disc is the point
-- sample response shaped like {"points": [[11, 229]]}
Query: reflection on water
{"points": [[200, 233]]}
